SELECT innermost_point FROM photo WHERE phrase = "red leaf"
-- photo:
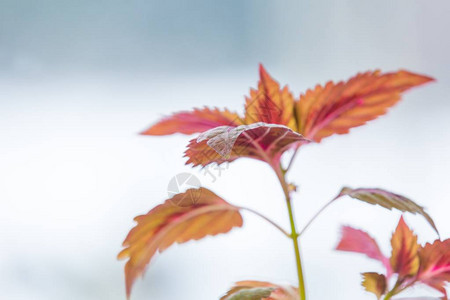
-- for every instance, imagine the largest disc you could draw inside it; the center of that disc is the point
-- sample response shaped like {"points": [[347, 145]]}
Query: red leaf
{"points": [[321, 112], [269, 103], [435, 265], [187, 216], [404, 258], [197, 120], [337, 107], [354, 240], [265, 142]]}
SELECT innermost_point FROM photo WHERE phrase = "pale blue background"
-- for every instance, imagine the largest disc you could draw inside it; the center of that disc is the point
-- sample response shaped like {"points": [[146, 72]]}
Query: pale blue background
{"points": [[79, 79]]}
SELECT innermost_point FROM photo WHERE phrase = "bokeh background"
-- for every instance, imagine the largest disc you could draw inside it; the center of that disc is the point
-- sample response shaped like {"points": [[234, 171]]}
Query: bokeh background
{"points": [[80, 79]]}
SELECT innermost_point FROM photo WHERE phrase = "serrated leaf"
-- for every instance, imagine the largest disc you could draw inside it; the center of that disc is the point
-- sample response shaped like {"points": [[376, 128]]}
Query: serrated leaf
{"points": [[265, 142], [187, 216], [387, 200], [318, 113], [412, 263], [374, 283], [355, 240], [269, 103], [277, 292], [337, 107], [404, 259], [195, 121], [434, 268], [251, 294]]}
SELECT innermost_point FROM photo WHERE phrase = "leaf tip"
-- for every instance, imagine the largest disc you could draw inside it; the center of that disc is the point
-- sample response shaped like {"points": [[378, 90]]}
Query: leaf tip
{"points": [[123, 254], [261, 68], [422, 78], [263, 73], [148, 131]]}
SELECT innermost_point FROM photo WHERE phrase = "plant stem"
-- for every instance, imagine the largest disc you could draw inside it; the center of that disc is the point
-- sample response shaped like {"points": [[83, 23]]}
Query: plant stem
{"points": [[294, 235], [388, 296], [395, 290]]}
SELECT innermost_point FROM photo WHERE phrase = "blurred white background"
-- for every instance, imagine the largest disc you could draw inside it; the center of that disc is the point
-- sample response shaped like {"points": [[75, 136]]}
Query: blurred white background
{"points": [[80, 79]]}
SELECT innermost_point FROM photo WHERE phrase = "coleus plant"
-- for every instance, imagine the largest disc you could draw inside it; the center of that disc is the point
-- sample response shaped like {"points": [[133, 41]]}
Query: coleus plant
{"points": [[274, 121]]}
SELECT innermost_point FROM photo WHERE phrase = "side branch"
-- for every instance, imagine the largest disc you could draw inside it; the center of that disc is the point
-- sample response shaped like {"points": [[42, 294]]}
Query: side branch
{"points": [[267, 219]]}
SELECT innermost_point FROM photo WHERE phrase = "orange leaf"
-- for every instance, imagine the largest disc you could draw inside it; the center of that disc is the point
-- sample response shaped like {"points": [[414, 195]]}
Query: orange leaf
{"points": [[261, 141], [375, 283], [435, 265], [337, 107], [187, 216], [354, 240], [197, 120], [404, 258], [253, 289], [269, 103]]}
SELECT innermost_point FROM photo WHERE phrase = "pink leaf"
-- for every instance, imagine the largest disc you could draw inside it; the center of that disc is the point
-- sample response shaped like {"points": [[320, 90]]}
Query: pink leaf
{"points": [[354, 240]]}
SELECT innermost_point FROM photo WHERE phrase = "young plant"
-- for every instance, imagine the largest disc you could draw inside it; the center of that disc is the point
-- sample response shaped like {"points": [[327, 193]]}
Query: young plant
{"points": [[410, 263], [274, 122]]}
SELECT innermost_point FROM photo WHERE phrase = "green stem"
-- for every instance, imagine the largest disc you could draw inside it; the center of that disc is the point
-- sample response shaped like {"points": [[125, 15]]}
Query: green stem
{"points": [[294, 234], [298, 259], [395, 290], [390, 294]]}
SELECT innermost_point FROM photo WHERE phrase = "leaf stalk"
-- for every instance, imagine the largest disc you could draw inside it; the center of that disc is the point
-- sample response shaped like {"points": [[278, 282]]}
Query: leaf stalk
{"points": [[267, 219], [315, 216]]}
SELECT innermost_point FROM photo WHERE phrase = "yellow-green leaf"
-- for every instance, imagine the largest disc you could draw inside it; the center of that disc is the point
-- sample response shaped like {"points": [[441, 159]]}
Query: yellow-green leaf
{"points": [[251, 294], [374, 283], [260, 290]]}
